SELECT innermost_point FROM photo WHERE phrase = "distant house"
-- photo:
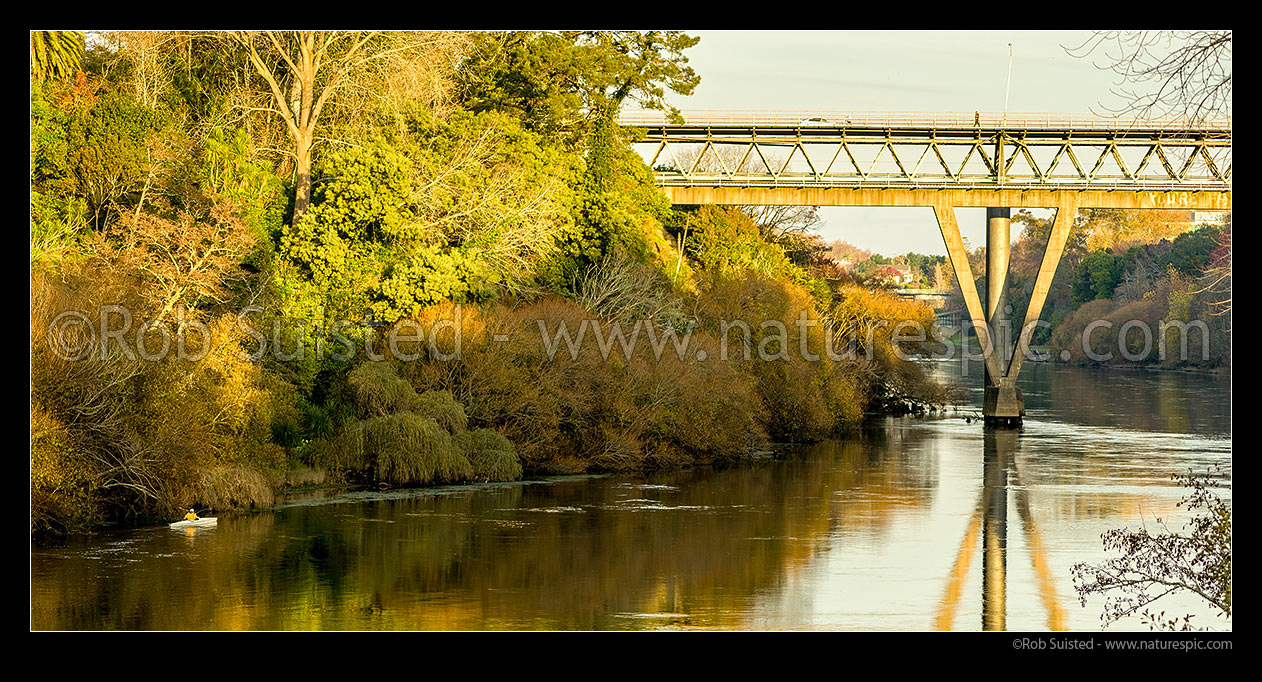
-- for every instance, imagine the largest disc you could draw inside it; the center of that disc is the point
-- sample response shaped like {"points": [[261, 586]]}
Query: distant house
{"points": [[898, 274], [846, 264]]}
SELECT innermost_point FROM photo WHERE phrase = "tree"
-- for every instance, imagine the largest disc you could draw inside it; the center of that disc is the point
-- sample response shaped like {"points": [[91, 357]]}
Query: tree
{"points": [[1169, 563], [185, 259], [778, 221], [1174, 72], [55, 54], [562, 82], [306, 71], [445, 211], [109, 149], [1117, 229], [1192, 252], [1217, 277], [1097, 276]]}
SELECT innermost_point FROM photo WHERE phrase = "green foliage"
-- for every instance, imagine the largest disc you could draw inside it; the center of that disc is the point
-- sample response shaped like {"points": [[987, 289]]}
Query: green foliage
{"points": [[447, 211], [55, 54], [529, 74], [923, 266], [722, 239], [58, 230], [202, 78], [1097, 276], [442, 408], [356, 214], [491, 454], [492, 190], [108, 152], [229, 171], [618, 210], [726, 241], [872, 264], [1191, 251], [49, 124], [379, 391], [285, 433], [363, 198], [396, 449], [319, 423], [556, 82], [430, 274]]}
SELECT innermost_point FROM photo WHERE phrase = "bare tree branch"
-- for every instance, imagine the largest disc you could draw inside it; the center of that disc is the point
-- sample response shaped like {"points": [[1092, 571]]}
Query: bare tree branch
{"points": [[1184, 73]]}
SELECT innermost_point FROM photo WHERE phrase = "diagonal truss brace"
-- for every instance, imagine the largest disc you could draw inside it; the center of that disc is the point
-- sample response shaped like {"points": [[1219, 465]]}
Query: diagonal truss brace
{"points": [[1052, 252], [968, 286]]}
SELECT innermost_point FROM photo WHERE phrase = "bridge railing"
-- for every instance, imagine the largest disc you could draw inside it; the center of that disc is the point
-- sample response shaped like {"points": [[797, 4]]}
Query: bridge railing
{"points": [[917, 119]]}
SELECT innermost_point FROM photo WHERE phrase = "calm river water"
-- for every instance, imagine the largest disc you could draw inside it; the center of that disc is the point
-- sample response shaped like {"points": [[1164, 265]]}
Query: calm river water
{"points": [[920, 524]]}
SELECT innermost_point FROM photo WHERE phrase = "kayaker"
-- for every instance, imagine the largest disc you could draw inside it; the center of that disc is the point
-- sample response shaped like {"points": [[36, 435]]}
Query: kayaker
{"points": [[190, 516]]}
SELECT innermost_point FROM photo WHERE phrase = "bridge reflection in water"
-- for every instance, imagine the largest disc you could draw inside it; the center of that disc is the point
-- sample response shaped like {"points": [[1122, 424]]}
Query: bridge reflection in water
{"points": [[988, 527]]}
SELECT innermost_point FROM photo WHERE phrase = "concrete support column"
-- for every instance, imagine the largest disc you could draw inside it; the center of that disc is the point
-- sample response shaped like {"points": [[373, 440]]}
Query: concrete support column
{"points": [[1003, 404], [998, 247]]}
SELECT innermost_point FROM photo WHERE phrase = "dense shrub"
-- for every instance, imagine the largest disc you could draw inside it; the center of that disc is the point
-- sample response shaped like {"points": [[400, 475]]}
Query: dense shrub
{"points": [[575, 409], [63, 485], [125, 436], [395, 449], [379, 391], [1097, 276], [810, 386], [1068, 335], [1173, 302], [490, 454], [442, 408]]}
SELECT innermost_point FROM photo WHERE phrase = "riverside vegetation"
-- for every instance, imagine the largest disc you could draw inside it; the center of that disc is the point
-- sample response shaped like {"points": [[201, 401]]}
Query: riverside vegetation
{"points": [[389, 179]]}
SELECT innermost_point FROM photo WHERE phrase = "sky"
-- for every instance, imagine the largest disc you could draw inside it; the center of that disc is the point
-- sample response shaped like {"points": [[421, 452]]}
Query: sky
{"points": [[896, 71]]}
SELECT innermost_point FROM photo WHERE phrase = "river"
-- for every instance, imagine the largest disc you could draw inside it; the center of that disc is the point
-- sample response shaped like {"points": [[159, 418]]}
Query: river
{"points": [[916, 524]]}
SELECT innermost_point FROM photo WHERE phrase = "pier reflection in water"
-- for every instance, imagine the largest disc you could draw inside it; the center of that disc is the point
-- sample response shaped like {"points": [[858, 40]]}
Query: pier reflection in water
{"points": [[1001, 485]]}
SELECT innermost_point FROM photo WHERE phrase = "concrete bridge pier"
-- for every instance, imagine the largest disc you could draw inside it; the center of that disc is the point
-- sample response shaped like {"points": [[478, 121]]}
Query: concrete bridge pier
{"points": [[1002, 405]]}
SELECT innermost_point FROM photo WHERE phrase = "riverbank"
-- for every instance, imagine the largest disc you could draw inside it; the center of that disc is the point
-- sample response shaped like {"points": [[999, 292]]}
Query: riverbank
{"points": [[862, 533]]}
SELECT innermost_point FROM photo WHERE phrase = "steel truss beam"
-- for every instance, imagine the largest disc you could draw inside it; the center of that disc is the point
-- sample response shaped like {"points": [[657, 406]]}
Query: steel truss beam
{"points": [[1160, 158]]}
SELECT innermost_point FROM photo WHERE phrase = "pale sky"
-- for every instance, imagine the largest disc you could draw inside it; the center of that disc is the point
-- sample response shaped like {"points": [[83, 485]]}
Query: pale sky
{"points": [[895, 71]]}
